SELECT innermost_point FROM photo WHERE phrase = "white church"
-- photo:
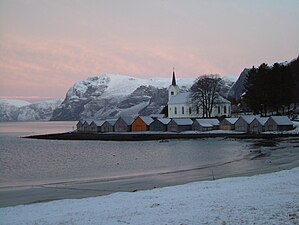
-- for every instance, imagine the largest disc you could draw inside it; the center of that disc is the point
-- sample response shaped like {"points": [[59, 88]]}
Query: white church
{"points": [[179, 104]]}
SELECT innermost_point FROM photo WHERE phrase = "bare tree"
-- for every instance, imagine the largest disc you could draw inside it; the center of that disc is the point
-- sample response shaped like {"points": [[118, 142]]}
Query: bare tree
{"points": [[204, 93]]}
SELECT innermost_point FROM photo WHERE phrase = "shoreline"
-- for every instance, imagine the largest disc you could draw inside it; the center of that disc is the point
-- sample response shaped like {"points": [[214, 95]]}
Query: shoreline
{"points": [[150, 136], [283, 158]]}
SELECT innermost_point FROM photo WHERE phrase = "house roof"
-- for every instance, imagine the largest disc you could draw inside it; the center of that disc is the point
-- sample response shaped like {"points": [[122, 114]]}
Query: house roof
{"points": [[165, 121], [282, 120], [157, 115], [88, 122], [248, 118], [208, 122], [146, 119], [99, 122], [128, 119], [231, 120], [183, 121], [262, 120], [111, 121]]}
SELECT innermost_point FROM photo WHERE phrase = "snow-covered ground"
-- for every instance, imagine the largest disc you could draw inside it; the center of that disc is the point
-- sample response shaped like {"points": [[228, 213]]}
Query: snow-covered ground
{"points": [[262, 199]]}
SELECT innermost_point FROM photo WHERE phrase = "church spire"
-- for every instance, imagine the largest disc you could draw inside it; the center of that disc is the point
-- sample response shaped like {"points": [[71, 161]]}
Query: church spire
{"points": [[173, 79]]}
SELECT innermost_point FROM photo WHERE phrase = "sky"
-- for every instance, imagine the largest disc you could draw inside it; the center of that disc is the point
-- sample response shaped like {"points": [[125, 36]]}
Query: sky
{"points": [[48, 45]]}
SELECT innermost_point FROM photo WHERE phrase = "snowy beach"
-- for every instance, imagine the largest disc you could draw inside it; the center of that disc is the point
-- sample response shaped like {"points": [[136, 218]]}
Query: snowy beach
{"points": [[261, 199]]}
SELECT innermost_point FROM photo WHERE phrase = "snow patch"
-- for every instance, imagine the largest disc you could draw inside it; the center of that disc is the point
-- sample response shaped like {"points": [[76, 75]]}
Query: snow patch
{"points": [[262, 199]]}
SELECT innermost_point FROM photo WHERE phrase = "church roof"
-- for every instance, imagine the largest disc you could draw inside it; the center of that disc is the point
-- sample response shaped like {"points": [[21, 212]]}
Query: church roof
{"points": [[184, 97], [180, 98]]}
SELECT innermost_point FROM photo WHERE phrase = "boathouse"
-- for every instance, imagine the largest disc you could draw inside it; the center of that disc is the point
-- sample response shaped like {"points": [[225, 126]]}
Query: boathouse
{"points": [[179, 125], [95, 126], [242, 124], [141, 123], [278, 123], [123, 124], [258, 125], [86, 126], [228, 124], [159, 124], [205, 124], [79, 126], [108, 125]]}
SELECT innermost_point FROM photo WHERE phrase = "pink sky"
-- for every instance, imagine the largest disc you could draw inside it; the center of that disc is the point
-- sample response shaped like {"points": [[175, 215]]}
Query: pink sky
{"points": [[46, 46]]}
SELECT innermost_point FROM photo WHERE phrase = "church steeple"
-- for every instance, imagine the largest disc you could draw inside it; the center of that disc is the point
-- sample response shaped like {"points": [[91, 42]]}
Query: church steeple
{"points": [[173, 89], [173, 79]]}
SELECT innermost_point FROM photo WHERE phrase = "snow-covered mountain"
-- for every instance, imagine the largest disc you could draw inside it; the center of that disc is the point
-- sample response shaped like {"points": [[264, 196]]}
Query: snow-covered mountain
{"points": [[98, 97], [238, 87], [115, 95], [18, 110]]}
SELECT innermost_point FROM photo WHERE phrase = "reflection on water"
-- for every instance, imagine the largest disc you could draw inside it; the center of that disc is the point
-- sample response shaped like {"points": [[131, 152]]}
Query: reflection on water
{"points": [[25, 161]]}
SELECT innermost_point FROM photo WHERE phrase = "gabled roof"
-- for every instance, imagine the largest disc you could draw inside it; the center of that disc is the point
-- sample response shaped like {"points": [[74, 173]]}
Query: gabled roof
{"points": [[262, 120], [146, 119], [88, 122], [157, 115], [183, 121], [184, 98], [231, 120], [165, 121], [128, 119], [248, 118], [180, 98], [282, 120], [208, 121], [99, 122], [111, 121], [220, 99]]}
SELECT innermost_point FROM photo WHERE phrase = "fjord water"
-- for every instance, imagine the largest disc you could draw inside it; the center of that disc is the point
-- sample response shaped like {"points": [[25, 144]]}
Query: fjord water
{"points": [[30, 161]]}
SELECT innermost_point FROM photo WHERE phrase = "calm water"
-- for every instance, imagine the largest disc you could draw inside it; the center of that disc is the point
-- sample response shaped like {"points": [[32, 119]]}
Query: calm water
{"points": [[25, 161]]}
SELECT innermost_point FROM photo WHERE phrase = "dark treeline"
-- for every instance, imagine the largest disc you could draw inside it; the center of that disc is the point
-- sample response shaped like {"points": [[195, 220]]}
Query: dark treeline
{"points": [[273, 89]]}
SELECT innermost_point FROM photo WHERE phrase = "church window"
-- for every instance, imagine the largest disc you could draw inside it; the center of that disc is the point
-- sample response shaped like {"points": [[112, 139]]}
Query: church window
{"points": [[183, 110], [219, 109], [172, 93], [224, 109], [175, 110], [197, 110], [190, 110]]}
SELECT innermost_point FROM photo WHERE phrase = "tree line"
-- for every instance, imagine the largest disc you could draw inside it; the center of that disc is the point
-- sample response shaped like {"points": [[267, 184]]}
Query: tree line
{"points": [[272, 89]]}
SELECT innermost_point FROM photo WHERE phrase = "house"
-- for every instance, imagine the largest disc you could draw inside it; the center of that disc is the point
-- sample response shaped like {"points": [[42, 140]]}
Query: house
{"points": [[179, 125], [258, 125], [123, 124], [159, 124], [205, 124], [180, 104], [108, 125], [79, 126], [228, 124], [278, 123], [242, 124], [141, 123], [95, 126]]}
